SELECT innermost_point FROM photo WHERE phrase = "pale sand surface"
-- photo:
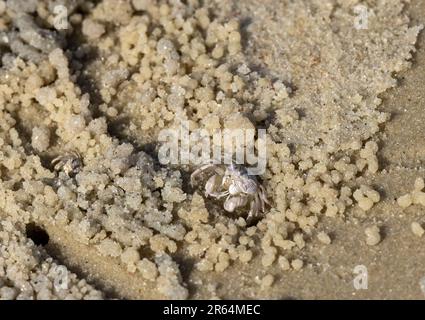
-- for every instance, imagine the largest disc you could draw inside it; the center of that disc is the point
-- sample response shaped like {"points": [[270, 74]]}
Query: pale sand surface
{"points": [[395, 265]]}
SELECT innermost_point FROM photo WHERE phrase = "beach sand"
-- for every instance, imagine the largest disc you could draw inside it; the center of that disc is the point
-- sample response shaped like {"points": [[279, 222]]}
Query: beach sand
{"points": [[326, 252]]}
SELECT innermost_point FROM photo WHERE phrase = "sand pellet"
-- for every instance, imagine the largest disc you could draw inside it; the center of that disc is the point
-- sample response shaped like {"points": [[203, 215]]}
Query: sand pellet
{"points": [[324, 238], [297, 264], [373, 236], [417, 229]]}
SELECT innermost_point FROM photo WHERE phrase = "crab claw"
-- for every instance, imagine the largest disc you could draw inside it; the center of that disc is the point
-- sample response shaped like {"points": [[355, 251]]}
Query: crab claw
{"points": [[232, 203]]}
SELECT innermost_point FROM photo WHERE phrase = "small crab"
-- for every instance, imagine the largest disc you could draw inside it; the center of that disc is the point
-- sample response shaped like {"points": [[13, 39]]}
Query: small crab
{"points": [[233, 183], [70, 163]]}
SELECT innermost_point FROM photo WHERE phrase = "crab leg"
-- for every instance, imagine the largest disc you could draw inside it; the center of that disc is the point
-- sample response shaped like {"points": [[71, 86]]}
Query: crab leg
{"points": [[254, 208], [198, 171]]}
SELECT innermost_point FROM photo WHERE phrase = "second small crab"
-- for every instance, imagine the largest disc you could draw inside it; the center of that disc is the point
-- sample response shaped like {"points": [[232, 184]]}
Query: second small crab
{"points": [[70, 163], [233, 183]]}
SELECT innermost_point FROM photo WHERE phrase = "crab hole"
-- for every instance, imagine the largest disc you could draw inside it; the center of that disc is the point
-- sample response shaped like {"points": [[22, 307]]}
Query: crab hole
{"points": [[37, 234]]}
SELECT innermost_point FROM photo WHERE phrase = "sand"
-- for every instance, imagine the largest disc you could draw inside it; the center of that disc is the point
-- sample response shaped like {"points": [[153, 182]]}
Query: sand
{"points": [[338, 159]]}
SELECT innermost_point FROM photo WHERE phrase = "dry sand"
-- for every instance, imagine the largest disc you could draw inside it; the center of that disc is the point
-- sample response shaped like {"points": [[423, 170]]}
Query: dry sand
{"points": [[316, 120]]}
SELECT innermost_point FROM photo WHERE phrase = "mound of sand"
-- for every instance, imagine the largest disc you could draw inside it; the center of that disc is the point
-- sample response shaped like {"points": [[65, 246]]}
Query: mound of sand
{"points": [[103, 87]]}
